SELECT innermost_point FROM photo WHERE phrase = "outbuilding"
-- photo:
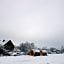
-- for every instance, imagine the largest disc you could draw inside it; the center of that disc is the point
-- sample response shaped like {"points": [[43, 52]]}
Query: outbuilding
{"points": [[35, 52]]}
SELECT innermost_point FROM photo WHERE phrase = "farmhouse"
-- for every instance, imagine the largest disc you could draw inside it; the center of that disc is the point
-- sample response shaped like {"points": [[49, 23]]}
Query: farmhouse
{"points": [[9, 46]]}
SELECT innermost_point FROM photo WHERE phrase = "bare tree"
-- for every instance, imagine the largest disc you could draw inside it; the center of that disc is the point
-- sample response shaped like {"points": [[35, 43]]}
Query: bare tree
{"points": [[24, 47], [62, 49]]}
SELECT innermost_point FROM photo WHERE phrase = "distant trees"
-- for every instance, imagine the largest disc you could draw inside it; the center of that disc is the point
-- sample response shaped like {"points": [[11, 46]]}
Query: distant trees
{"points": [[62, 49], [24, 47], [53, 49]]}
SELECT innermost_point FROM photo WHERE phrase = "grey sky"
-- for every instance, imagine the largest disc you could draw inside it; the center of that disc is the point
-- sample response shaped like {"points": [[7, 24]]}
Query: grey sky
{"points": [[39, 21]]}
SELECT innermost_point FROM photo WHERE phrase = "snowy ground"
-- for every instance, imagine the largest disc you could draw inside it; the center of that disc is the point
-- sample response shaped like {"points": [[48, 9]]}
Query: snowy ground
{"points": [[50, 59]]}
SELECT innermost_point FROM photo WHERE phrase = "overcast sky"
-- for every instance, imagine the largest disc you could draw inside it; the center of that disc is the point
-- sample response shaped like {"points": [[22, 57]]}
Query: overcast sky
{"points": [[38, 21]]}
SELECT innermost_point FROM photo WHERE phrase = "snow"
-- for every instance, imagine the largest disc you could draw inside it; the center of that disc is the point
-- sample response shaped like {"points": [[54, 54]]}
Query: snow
{"points": [[36, 50], [25, 59], [6, 42], [44, 51]]}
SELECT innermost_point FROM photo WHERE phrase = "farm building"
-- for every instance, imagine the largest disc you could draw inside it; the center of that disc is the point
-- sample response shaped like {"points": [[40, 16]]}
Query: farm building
{"points": [[37, 52], [34, 52], [9, 45], [44, 52]]}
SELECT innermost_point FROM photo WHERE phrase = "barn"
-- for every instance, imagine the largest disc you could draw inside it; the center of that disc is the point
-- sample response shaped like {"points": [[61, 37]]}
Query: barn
{"points": [[35, 52]]}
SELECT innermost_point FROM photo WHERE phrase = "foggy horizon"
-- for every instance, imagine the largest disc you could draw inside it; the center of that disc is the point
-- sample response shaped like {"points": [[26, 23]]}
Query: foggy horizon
{"points": [[38, 21]]}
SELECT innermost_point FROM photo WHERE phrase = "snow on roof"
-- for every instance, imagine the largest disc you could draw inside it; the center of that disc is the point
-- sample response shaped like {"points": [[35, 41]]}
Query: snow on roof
{"points": [[1, 42], [36, 50], [16, 49], [44, 51]]}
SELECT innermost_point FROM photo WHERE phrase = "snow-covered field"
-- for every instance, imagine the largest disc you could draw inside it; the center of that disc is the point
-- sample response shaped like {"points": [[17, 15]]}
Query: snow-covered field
{"points": [[50, 59]]}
